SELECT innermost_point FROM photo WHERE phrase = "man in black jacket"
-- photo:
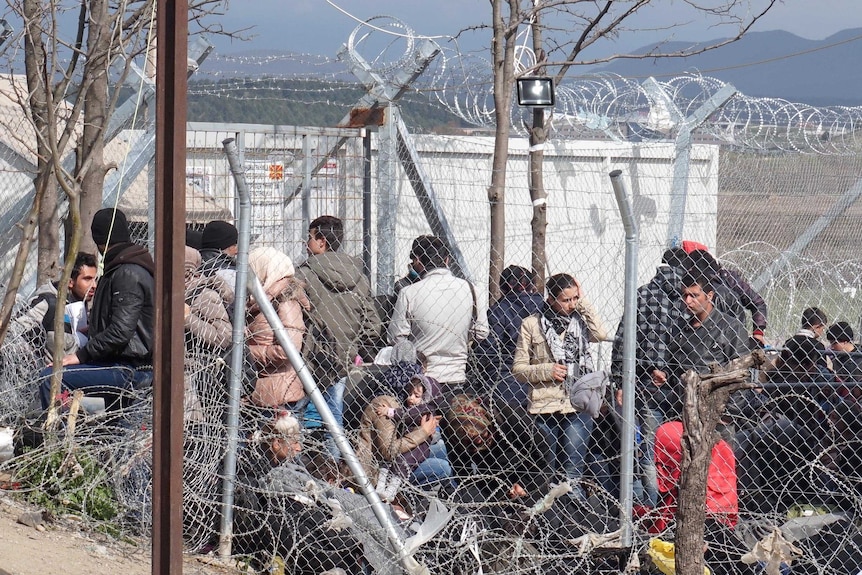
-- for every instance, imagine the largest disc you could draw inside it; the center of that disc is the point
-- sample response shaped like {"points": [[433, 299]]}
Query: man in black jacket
{"points": [[119, 352]]}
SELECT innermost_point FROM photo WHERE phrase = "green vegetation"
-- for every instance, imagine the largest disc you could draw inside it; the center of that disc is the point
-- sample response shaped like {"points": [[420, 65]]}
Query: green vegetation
{"points": [[64, 482], [300, 103]]}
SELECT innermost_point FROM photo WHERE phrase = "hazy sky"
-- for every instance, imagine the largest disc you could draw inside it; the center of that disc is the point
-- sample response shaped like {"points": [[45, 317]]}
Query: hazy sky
{"points": [[317, 27]]}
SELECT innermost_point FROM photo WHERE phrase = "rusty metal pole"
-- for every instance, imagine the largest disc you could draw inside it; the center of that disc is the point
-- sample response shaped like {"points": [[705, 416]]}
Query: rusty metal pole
{"points": [[168, 352]]}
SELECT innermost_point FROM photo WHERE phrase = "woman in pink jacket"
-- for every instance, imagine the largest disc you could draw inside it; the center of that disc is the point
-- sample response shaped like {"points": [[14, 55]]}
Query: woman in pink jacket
{"points": [[278, 385]]}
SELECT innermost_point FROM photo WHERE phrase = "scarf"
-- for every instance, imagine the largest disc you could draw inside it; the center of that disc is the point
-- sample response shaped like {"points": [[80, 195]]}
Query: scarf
{"points": [[567, 338]]}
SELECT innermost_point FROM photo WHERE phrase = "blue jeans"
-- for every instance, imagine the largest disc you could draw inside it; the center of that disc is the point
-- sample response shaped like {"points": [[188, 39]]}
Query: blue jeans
{"points": [[104, 380], [434, 469], [650, 419], [334, 396], [567, 437]]}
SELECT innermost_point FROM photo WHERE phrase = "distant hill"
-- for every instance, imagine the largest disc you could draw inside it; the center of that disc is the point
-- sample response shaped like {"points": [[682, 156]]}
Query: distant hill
{"points": [[300, 103], [764, 64], [823, 73]]}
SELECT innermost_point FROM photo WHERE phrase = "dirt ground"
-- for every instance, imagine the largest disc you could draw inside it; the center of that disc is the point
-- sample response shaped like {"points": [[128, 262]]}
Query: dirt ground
{"points": [[26, 550]]}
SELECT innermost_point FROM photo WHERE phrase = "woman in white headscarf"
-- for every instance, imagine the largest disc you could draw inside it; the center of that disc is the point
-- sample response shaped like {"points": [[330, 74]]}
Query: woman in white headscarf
{"points": [[277, 384]]}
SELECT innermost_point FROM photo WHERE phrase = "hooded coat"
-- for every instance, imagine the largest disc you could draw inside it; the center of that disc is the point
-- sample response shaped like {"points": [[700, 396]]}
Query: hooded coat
{"points": [[343, 320], [380, 443], [208, 297], [277, 382], [37, 323], [123, 314]]}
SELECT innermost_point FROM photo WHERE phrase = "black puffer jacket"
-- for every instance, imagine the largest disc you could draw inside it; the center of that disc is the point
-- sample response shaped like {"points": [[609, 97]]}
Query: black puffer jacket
{"points": [[121, 322]]}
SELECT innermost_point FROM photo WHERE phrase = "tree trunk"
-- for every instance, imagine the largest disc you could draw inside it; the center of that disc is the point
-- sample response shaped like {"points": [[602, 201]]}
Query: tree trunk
{"points": [[538, 197], [35, 61], [704, 401], [27, 233], [96, 115], [502, 54]]}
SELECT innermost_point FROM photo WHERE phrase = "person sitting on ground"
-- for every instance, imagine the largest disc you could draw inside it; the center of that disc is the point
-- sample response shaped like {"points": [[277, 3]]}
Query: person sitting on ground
{"points": [[291, 513], [389, 454], [804, 382], [218, 251], [722, 501], [278, 386], [208, 333], [496, 352], [846, 359], [422, 396], [207, 299], [38, 321], [553, 349], [118, 354], [496, 451]]}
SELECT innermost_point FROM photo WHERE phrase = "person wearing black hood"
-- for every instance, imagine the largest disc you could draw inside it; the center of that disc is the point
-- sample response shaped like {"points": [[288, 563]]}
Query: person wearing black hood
{"points": [[218, 251], [118, 354]]}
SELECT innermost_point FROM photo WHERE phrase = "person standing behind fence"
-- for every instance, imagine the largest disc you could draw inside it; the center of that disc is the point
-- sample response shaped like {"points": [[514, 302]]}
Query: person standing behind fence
{"points": [[659, 309], [553, 348], [723, 277], [278, 385], [495, 353], [440, 314], [343, 321], [703, 337], [119, 352]]}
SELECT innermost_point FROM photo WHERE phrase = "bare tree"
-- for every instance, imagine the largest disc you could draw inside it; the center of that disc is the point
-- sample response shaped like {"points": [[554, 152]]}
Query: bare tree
{"points": [[705, 398], [73, 88], [566, 34]]}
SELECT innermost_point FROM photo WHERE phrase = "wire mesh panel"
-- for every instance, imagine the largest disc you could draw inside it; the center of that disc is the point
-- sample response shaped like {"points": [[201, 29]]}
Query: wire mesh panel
{"points": [[293, 175], [489, 432]]}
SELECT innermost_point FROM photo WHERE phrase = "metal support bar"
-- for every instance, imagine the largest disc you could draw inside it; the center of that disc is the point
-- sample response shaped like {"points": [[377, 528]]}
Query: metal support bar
{"points": [[387, 203], [169, 343], [366, 203], [424, 190], [347, 453], [682, 144], [628, 375], [237, 347], [805, 239]]}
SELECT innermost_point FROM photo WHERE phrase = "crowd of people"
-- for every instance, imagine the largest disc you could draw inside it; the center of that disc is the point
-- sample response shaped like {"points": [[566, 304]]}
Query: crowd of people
{"points": [[442, 394]]}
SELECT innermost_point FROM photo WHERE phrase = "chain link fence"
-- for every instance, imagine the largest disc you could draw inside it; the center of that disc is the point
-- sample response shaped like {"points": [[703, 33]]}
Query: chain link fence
{"points": [[467, 428]]}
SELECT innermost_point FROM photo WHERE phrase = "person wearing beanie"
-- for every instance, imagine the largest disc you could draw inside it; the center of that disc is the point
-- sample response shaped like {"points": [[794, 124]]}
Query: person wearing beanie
{"points": [[218, 251], [118, 354], [194, 238], [109, 227]]}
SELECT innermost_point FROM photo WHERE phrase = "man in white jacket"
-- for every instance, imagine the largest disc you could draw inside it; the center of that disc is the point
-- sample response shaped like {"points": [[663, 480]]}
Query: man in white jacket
{"points": [[440, 314]]}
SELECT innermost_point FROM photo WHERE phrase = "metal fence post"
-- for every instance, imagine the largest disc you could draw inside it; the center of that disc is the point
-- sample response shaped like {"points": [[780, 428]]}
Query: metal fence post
{"points": [[237, 347], [628, 375]]}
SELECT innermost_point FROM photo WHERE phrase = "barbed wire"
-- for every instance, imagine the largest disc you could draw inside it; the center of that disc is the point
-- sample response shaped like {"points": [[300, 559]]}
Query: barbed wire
{"points": [[602, 105]]}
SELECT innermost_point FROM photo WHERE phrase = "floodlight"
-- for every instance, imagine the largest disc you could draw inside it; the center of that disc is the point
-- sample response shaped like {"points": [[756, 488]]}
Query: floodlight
{"points": [[535, 92]]}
